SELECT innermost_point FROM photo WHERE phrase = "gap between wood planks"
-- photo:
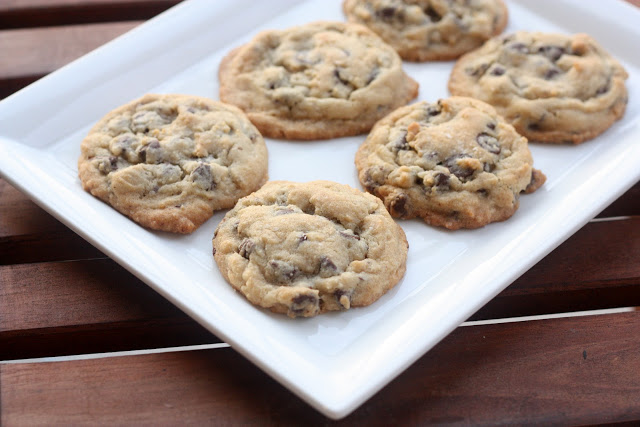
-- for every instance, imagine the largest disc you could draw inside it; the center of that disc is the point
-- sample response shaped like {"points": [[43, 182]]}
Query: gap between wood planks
{"points": [[470, 323]]}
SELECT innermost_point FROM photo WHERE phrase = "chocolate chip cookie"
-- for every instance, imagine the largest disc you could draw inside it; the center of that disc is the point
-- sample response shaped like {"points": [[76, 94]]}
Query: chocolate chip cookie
{"points": [[307, 248], [454, 163], [169, 161], [424, 30], [316, 81], [553, 88]]}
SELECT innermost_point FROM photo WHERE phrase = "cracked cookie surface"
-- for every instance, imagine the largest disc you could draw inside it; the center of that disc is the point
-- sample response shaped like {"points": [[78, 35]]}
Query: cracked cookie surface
{"points": [[316, 81], [424, 30], [551, 87], [306, 248], [169, 161], [455, 163]]}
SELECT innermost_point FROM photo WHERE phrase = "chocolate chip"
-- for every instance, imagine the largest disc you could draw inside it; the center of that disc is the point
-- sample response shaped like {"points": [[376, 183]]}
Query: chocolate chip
{"points": [[398, 205], [202, 177], [497, 71], [488, 167], [534, 127], [113, 163], [442, 180], [433, 110], [387, 12], [370, 183], [488, 142], [372, 76], [483, 192], [491, 126], [452, 164], [551, 73], [519, 47], [401, 142], [349, 236], [336, 74], [432, 14], [603, 89], [326, 263], [246, 247], [283, 271], [552, 52], [302, 238], [301, 303], [343, 297], [213, 250], [150, 153], [477, 71]]}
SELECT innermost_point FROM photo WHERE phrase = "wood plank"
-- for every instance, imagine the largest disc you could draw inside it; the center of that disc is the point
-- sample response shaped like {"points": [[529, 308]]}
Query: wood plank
{"points": [[29, 234], [37, 52], [82, 307], [59, 302], [572, 371], [627, 204], [38, 13], [23, 223]]}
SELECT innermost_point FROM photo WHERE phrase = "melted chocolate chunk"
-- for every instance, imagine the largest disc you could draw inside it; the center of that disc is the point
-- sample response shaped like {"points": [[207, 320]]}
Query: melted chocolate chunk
{"points": [[478, 71], [552, 52], [497, 71], [327, 267], [369, 182], [461, 172], [398, 205], [301, 302], [246, 247], [386, 13], [151, 153], [113, 163], [401, 142], [342, 80], [442, 180], [551, 73], [349, 236], [432, 14], [519, 47], [488, 142], [283, 271], [202, 177], [372, 76], [433, 110]]}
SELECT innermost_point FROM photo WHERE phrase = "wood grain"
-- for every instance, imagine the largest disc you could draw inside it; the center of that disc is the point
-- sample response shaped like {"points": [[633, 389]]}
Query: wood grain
{"points": [[38, 13], [479, 375]]}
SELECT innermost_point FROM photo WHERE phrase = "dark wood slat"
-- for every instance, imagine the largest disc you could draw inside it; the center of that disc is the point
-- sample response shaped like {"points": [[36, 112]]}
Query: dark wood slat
{"points": [[30, 54], [85, 307], [29, 234], [40, 13], [571, 371], [598, 267], [61, 301], [22, 223], [627, 204]]}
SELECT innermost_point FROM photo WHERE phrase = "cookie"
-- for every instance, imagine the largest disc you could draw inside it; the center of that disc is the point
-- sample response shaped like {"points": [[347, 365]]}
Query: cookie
{"points": [[307, 248], [455, 163], [425, 30], [316, 81], [552, 88], [169, 161]]}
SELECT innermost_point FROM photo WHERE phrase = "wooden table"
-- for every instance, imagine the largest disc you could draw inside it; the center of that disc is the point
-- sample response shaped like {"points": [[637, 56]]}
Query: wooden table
{"points": [[570, 356]]}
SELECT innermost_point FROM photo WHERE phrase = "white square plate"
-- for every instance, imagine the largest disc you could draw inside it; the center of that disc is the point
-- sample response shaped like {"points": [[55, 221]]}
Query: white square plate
{"points": [[334, 361]]}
